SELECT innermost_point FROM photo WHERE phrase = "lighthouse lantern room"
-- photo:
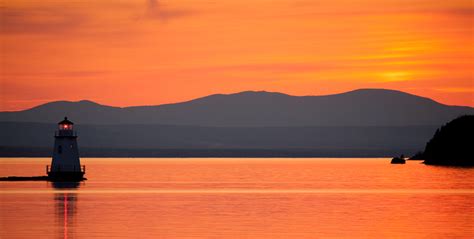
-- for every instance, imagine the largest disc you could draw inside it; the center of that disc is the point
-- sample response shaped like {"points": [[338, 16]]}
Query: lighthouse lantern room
{"points": [[65, 165]]}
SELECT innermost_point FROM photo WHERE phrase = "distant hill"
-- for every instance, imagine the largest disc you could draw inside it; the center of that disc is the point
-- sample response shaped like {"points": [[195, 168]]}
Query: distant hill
{"points": [[452, 144], [366, 107], [361, 123]]}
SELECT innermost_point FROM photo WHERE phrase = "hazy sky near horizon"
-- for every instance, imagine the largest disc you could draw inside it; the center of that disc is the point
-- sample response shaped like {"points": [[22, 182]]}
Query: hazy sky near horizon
{"points": [[128, 52]]}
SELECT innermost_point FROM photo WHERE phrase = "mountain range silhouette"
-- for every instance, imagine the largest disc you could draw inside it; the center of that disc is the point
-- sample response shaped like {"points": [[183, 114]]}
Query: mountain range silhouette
{"points": [[365, 122], [365, 107]]}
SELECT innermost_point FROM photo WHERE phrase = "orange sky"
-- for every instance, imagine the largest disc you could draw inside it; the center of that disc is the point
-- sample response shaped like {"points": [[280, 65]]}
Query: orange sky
{"points": [[134, 52]]}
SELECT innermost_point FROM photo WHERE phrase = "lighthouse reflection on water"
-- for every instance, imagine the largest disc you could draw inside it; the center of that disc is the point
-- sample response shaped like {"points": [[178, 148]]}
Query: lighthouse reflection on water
{"points": [[65, 207]]}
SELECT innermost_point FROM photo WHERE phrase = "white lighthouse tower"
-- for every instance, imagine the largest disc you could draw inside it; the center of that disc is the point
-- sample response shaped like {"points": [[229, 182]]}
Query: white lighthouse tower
{"points": [[66, 165]]}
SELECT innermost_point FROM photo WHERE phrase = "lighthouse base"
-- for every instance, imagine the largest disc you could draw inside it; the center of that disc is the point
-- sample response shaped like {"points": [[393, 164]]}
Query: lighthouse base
{"points": [[66, 176]]}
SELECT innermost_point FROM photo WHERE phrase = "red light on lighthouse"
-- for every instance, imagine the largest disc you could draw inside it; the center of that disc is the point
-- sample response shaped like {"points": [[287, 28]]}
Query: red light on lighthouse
{"points": [[65, 124]]}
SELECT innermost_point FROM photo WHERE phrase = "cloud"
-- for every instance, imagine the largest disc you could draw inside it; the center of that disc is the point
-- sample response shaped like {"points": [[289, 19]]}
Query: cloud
{"points": [[456, 89], [56, 74], [159, 11], [276, 67], [38, 20], [459, 8]]}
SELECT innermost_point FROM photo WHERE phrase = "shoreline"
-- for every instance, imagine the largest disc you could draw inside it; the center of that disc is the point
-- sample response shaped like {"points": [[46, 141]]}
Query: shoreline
{"points": [[210, 153], [25, 178]]}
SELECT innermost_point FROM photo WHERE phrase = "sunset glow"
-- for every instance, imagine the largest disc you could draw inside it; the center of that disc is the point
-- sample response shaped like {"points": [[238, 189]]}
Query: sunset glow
{"points": [[125, 53]]}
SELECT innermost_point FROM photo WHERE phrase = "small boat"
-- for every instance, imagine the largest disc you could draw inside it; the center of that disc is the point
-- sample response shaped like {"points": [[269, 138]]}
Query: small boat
{"points": [[398, 160]]}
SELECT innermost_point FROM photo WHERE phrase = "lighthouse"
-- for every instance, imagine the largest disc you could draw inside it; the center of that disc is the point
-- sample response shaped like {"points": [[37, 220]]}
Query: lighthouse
{"points": [[65, 165]]}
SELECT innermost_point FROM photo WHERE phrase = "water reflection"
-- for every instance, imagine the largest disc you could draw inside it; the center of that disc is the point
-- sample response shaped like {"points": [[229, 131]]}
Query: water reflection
{"points": [[242, 198], [65, 207]]}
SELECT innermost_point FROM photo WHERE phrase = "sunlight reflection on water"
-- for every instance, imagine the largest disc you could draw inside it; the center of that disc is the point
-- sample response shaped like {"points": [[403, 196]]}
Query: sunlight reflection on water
{"points": [[240, 198]]}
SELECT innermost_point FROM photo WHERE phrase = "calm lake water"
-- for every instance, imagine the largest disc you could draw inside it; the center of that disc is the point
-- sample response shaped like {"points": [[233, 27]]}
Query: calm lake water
{"points": [[240, 198]]}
